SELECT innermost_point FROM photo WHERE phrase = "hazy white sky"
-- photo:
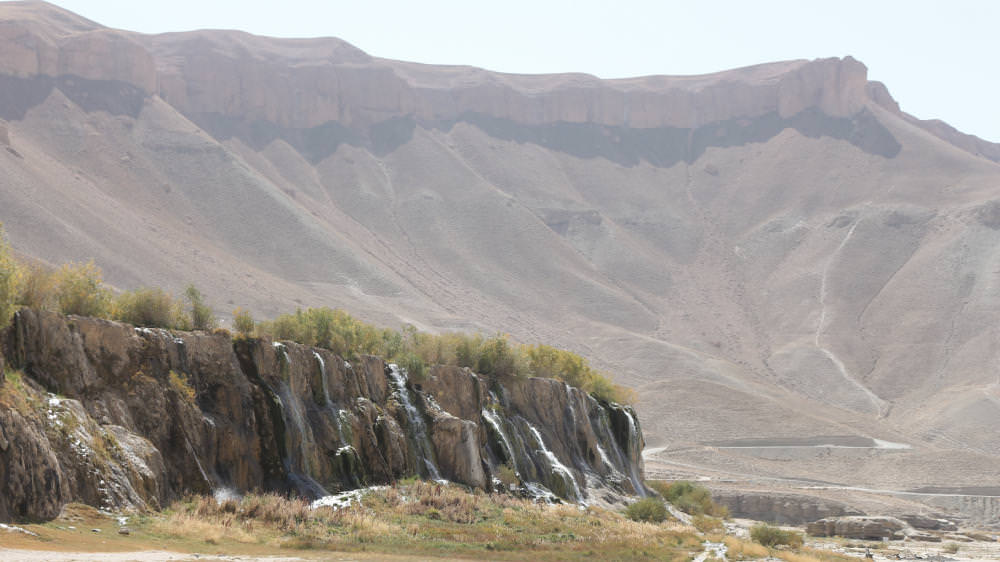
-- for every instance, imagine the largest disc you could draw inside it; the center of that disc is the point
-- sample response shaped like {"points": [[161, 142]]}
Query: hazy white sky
{"points": [[938, 58]]}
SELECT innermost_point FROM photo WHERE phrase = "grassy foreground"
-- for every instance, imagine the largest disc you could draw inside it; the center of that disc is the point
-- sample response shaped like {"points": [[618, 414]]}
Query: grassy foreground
{"points": [[417, 519], [414, 520]]}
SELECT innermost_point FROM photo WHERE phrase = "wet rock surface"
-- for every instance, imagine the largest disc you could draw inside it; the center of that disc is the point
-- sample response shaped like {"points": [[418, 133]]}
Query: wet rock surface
{"points": [[131, 418]]}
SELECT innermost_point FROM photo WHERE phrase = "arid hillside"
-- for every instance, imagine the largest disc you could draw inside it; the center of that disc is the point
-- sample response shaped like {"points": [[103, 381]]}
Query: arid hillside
{"points": [[772, 252]]}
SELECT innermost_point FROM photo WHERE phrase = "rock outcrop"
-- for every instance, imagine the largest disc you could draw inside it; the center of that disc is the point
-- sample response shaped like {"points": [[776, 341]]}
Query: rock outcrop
{"points": [[131, 418], [785, 509], [929, 522], [858, 527]]}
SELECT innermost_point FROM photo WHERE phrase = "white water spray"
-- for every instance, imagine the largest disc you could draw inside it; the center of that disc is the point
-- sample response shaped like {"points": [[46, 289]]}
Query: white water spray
{"points": [[554, 462], [416, 421]]}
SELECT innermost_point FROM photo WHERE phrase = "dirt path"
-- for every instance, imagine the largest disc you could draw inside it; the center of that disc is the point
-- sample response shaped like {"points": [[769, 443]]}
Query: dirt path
{"points": [[713, 549]]}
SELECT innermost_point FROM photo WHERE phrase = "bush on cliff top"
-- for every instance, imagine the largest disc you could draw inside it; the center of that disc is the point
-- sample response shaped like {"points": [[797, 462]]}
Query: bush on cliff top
{"points": [[153, 308], [495, 356], [201, 315], [81, 290], [78, 288], [9, 281]]}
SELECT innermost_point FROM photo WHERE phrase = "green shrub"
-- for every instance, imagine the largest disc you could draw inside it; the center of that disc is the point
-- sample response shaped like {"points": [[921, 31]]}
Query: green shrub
{"points": [[243, 323], [498, 359], [414, 350], [689, 498], [604, 389], [467, 349], [769, 535], [201, 315], [951, 548], [413, 365], [650, 510], [549, 362], [81, 290], [334, 330], [153, 308], [9, 280], [38, 287]]}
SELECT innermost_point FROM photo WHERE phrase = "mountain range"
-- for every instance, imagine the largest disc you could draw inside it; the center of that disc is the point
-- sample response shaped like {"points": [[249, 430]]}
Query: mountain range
{"points": [[774, 257]]}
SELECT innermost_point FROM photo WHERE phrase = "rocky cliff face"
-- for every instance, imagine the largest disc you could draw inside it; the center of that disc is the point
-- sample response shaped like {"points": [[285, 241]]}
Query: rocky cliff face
{"points": [[128, 418], [785, 509]]}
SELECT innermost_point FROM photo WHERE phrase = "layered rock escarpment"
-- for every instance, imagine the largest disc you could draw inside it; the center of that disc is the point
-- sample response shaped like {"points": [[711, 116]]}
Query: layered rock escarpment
{"points": [[130, 418], [858, 527], [785, 509], [318, 93]]}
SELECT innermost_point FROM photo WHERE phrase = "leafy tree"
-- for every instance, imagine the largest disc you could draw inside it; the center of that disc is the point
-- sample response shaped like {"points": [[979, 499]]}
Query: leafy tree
{"points": [[38, 287], [201, 315], [243, 322], [147, 307], [9, 280], [81, 290], [467, 350], [413, 365], [496, 359]]}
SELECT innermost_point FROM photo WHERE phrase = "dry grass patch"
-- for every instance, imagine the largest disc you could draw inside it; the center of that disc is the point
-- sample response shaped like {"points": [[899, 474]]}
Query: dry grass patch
{"points": [[744, 550], [813, 555], [427, 519], [191, 527]]}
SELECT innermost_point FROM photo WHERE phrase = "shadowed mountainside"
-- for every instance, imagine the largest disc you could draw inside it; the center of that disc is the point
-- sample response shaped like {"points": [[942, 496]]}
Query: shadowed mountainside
{"points": [[768, 252]]}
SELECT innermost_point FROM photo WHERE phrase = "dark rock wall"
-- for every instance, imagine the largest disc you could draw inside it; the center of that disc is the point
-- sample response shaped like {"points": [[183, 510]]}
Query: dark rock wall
{"points": [[132, 418]]}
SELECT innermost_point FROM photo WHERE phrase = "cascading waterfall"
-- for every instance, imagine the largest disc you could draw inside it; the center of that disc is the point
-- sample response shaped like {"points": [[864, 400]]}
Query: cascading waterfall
{"points": [[322, 377], [572, 413], [291, 412], [415, 420], [337, 412], [557, 467], [569, 403], [633, 445], [494, 420], [604, 432]]}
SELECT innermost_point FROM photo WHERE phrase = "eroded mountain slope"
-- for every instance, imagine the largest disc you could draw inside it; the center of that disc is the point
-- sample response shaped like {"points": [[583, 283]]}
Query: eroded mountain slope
{"points": [[765, 252]]}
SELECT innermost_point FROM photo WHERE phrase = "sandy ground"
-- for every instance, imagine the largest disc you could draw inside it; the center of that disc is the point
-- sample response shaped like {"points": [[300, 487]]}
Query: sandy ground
{"points": [[23, 555], [16, 555]]}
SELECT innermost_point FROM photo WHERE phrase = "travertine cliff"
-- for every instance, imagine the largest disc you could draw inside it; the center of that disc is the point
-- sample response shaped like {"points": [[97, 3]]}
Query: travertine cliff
{"points": [[122, 417]]}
